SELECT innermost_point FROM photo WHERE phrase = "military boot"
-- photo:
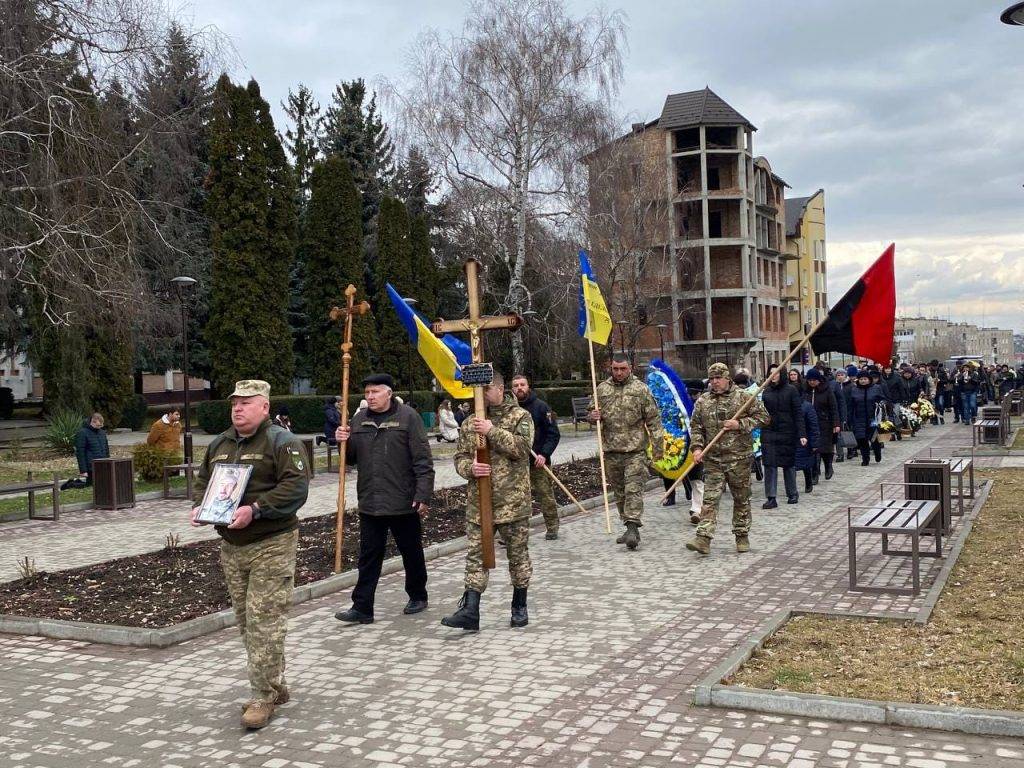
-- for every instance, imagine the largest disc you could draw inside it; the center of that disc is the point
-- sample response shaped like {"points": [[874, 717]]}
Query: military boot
{"points": [[519, 615], [742, 543], [632, 537], [699, 544], [468, 614], [257, 714]]}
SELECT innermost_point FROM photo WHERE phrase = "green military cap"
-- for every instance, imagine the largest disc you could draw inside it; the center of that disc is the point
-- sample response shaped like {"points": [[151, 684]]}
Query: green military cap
{"points": [[718, 370], [251, 388]]}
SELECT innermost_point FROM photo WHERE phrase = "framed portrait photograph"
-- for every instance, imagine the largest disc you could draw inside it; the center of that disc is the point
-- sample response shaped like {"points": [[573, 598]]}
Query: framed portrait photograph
{"points": [[224, 493]]}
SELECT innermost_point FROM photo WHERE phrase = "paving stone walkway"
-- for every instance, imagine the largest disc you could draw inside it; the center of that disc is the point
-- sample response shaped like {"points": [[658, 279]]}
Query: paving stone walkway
{"points": [[603, 676]]}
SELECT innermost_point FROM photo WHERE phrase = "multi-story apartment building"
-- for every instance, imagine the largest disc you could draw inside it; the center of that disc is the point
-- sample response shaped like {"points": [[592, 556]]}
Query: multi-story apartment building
{"points": [[702, 272], [806, 275], [937, 338]]}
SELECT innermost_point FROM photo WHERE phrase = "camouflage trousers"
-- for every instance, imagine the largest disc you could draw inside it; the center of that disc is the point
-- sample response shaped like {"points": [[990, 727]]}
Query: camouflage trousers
{"points": [[716, 476], [627, 473], [517, 536], [540, 483], [260, 578]]}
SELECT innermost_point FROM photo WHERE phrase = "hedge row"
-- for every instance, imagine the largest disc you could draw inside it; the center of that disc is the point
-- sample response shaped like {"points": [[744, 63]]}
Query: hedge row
{"points": [[307, 411]]}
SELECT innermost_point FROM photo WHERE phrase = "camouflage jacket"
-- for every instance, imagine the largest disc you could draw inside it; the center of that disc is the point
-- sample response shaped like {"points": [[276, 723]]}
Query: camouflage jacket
{"points": [[629, 417], [712, 410], [509, 440]]}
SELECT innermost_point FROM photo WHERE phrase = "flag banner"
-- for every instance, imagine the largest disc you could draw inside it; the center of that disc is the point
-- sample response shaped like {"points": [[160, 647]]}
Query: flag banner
{"points": [[863, 322], [442, 356], [676, 407], [594, 321]]}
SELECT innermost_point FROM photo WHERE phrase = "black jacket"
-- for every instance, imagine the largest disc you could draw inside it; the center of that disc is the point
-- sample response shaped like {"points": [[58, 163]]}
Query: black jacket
{"points": [[906, 391], [969, 382], [395, 465], [779, 439], [332, 420], [860, 409], [90, 444], [545, 428], [826, 408]]}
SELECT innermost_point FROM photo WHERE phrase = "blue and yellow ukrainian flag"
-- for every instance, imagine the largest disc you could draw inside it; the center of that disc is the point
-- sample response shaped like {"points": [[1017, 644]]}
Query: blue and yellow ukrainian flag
{"points": [[594, 321], [443, 356]]}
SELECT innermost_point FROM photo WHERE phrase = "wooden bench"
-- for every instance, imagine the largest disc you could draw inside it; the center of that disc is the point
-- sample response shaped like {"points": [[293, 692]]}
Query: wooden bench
{"points": [[174, 469], [32, 486], [896, 517], [580, 410]]}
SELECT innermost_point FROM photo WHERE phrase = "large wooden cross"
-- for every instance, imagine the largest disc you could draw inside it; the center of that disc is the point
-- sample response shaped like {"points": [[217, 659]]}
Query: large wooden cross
{"points": [[474, 325]]}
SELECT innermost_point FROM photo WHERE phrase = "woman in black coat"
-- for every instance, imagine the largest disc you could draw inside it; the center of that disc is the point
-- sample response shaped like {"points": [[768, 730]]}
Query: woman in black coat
{"points": [[779, 439], [806, 455], [823, 399], [862, 401]]}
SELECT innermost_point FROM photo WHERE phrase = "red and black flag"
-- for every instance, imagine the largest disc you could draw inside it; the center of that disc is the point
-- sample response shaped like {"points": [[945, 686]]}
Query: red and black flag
{"points": [[863, 321]]}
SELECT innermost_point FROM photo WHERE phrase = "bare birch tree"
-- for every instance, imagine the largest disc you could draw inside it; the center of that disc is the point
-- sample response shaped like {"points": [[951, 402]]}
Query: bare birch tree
{"points": [[496, 106]]}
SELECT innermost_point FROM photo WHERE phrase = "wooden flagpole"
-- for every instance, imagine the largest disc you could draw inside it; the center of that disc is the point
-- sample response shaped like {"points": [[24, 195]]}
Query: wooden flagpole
{"points": [[346, 361], [600, 446], [746, 404], [565, 490]]}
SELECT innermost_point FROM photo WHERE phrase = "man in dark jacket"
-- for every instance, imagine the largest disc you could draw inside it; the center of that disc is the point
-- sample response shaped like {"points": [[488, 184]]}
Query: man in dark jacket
{"points": [[332, 419], [90, 444], [907, 389], [970, 383], [780, 437], [545, 440], [388, 444]]}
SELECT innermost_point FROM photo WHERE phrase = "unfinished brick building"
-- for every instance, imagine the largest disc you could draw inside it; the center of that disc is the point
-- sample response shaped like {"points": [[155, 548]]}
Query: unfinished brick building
{"points": [[693, 236]]}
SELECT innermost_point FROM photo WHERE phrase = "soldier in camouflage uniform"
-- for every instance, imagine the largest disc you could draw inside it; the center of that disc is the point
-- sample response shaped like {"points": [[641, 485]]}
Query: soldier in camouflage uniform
{"points": [[629, 420], [509, 432], [729, 459], [258, 548]]}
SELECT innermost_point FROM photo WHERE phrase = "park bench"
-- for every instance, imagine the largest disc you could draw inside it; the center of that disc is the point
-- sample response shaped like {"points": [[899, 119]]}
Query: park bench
{"points": [[580, 411], [33, 486], [174, 469], [993, 424], [896, 517]]}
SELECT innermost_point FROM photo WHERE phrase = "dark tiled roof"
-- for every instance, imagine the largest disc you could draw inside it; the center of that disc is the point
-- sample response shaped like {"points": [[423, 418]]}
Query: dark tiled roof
{"points": [[794, 212], [684, 110]]}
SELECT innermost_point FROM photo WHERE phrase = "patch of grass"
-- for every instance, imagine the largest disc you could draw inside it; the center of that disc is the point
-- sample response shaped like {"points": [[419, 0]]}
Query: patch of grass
{"points": [[13, 504], [1018, 440], [971, 653]]}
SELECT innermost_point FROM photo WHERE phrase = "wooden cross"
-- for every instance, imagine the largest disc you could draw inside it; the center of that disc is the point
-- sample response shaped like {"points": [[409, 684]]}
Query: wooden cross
{"points": [[474, 325], [337, 313]]}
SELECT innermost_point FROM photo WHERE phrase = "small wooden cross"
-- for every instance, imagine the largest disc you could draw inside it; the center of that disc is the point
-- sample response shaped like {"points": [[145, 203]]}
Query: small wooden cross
{"points": [[348, 313], [474, 325]]}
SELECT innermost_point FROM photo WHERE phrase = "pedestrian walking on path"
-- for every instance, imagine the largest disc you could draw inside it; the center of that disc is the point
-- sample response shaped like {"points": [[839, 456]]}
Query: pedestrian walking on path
{"points": [[864, 406], [780, 438], [629, 421], [728, 463], [545, 441], [822, 398], [259, 544], [509, 433], [388, 444]]}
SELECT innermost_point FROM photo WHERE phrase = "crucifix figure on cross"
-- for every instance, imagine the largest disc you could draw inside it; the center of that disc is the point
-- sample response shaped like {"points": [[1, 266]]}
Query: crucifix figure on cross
{"points": [[478, 375]]}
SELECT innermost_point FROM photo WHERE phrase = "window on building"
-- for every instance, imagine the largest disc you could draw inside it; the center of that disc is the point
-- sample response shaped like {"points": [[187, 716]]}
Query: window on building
{"points": [[714, 179], [715, 224]]}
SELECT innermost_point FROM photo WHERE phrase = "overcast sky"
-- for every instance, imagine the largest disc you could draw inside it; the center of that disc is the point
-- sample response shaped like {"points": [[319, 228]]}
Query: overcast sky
{"points": [[907, 112]]}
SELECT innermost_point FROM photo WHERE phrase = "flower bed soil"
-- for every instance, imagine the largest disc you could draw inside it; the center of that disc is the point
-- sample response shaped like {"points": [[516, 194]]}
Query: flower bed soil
{"points": [[175, 584]]}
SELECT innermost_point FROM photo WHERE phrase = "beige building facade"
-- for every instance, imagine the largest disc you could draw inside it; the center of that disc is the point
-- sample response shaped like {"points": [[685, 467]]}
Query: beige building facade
{"points": [[934, 338], [806, 261]]}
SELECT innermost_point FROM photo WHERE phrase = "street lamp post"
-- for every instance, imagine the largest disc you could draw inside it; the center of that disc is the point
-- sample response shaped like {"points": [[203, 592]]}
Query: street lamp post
{"points": [[183, 288], [411, 303], [661, 339]]}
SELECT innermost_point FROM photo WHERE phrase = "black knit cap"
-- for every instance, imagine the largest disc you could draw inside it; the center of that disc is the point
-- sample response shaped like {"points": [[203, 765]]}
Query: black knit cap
{"points": [[375, 379]]}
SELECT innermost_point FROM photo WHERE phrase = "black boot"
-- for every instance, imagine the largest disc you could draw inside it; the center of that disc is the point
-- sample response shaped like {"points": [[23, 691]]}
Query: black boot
{"points": [[632, 537], [468, 614], [877, 448], [808, 483], [519, 615], [770, 504], [828, 467]]}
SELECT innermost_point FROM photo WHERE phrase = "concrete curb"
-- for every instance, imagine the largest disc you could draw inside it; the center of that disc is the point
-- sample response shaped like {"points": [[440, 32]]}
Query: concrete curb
{"points": [[711, 692], [141, 637]]}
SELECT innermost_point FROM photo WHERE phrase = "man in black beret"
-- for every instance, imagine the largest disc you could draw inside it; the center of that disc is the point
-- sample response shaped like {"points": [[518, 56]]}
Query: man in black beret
{"points": [[388, 444]]}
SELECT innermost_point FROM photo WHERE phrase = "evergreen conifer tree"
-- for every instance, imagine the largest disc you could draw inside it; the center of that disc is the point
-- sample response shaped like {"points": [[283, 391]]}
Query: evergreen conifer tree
{"points": [[253, 225], [333, 247]]}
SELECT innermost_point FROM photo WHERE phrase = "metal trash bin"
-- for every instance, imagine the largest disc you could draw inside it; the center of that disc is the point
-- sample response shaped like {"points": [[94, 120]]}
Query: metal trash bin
{"points": [[934, 472], [113, 483], [991, 413]]}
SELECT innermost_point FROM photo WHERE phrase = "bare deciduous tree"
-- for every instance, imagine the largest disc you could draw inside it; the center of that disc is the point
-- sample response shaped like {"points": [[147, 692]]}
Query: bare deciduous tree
{"points": [[500, 106]]}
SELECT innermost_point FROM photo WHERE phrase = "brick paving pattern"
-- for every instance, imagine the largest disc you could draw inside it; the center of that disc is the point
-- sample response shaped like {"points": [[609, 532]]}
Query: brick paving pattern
{"points": [[603, 676]]}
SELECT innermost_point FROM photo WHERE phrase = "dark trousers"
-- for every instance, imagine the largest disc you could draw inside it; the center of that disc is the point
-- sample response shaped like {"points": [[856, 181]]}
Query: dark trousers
{"points": [[866, 447], [771, 481], [373, 539]]}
